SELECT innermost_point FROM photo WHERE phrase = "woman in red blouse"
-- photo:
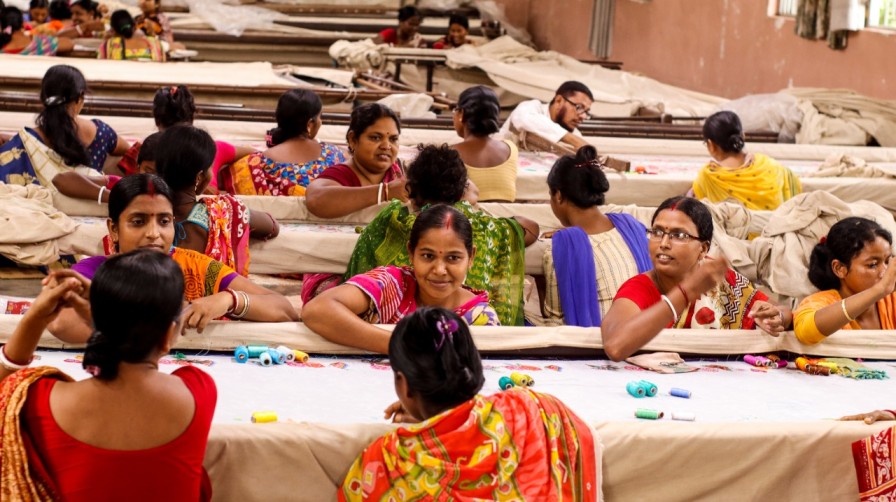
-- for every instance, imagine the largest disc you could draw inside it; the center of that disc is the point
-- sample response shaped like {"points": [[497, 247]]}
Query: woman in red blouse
{"points": [[131, 431], [686, 288]]}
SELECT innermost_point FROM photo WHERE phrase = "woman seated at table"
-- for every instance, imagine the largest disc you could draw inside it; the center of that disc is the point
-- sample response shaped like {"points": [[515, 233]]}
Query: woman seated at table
{"points": [[512, 445], [154, 23], [87, 20], [491, 164], [372, 177], [217, 225], [441, 254], [294, 158], [587, 261], [60, 18], [141, 215], [756, 180], [458, 32], [14, 39], [116, 435], [172, 106], [408, 32], [851, 268], [438, 176], [686, 288], [124, 45], [38, 12], [65, 152]]}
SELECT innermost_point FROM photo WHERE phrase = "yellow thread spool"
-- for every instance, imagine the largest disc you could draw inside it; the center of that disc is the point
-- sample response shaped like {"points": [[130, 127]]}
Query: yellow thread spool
{"points": [[300, 356], [262, 417]]}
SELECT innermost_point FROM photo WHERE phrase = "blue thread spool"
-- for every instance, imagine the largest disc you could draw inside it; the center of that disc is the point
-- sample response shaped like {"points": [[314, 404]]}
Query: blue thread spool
{"points": [[649, 388], [265, 359], [241, 354], [276, 356], [506, 383], [635, 389], [257, 350], [674, 391], [288, 353]]}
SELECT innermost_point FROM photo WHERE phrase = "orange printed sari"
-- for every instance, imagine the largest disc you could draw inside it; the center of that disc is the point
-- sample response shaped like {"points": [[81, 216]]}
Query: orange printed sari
{"points": [[875, 461], [22, 475], [514, 445]]}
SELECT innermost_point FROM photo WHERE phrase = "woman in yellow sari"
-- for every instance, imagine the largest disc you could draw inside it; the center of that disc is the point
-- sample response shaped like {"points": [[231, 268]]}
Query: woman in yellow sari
{"points": [[758, 181], [513, 445]]}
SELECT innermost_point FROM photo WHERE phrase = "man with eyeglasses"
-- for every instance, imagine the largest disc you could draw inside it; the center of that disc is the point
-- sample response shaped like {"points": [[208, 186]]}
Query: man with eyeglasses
{"points": [[557, 121]]}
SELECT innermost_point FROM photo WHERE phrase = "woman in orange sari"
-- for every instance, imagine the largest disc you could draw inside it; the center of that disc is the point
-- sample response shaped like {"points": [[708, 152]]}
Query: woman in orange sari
{"points": [[513, 445]]}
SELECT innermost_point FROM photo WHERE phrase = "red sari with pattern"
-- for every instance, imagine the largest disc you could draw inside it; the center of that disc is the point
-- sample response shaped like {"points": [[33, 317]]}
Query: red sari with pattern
{"points": [[513, 445], [874, 458]]}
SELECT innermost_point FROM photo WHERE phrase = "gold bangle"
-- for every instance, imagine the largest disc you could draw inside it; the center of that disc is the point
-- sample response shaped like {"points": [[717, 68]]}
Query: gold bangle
{"points": [[845, 313]]}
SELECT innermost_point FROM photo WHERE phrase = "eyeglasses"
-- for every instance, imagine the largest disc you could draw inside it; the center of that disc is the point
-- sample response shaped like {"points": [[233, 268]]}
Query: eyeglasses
{"points": [[581, 110], [657, 234]]}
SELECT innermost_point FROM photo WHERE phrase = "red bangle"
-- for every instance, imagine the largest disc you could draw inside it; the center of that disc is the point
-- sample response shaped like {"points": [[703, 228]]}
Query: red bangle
{"points": [[235, 301], [275, 227], [685, 295]]}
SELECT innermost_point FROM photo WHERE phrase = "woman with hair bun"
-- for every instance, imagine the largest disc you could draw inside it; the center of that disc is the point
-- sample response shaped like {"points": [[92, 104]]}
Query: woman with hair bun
{"points": [[118, 434], [491, 164], [586, 262], [754, 179], [507, 446], [294, 158], [851, 268], [66, 152], [14, 39], [124, 45]]}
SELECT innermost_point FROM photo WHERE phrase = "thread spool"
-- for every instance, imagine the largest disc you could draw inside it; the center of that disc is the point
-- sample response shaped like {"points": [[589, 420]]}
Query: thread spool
{"points": [[288, 354], [506, 383], [265, 359], [300, 356], [277, 357], [241, 354], [649, 387], [777, 361], [676, 392], [801, 363], [648, 414], [635, 389], [256, 350], [688, 417], [263, 417], [521, 379], [814, 369], [755, 360]]}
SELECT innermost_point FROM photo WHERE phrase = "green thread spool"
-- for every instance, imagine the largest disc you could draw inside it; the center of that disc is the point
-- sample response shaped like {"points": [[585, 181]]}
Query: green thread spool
{"points": [[648, 414]]}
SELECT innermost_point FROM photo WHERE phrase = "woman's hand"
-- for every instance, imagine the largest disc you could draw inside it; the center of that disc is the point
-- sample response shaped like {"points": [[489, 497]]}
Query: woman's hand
{"points": [[768, 317], [202, 311], [54, 296], [77, 296], [705, 276], [874, 416], [398, 189], [398, 415], [887, 284]]}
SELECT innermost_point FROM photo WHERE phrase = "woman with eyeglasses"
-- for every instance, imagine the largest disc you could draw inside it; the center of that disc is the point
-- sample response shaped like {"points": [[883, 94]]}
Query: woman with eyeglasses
{"points": [[686, 288]]}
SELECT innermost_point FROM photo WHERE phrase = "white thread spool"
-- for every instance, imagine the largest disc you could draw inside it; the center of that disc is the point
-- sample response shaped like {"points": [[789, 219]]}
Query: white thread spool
{"points": [[688, 417], [288, 354]]}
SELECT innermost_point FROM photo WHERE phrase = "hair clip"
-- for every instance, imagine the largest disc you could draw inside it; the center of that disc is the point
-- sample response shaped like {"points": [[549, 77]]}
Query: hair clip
{"points": [[8, 30], [823, 240], [589, 163], [447, 327], [173, 90], [54, 100], [92, 369], [269, 139]]}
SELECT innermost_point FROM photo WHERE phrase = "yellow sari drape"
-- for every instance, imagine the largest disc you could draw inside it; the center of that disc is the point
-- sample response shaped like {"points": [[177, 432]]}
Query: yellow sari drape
{"points": [[761, 184]]}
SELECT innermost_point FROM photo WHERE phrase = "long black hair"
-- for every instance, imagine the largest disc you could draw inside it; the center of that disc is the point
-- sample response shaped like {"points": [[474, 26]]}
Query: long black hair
{"points": [[294, 109], [579, 178], [437, 175], [122, 23], [434, 351], [481, 110], [845, 240], [183, 152], [134, 298], [61, 85], [173, 105], [10, 17]]}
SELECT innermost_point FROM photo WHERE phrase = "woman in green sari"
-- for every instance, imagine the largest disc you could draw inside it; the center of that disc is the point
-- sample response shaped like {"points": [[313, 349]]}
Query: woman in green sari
{"points": [[438, 176]]}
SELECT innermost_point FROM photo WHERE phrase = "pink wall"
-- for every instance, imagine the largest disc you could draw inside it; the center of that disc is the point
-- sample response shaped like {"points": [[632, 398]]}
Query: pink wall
{"points": [[724, 47]]}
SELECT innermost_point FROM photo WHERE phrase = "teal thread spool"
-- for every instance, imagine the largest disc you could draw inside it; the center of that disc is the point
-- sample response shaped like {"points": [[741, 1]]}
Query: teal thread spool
{"points": [[506, 383], [241, 354], [256, 350], [648, 414], [650, 388], [636, 389]]}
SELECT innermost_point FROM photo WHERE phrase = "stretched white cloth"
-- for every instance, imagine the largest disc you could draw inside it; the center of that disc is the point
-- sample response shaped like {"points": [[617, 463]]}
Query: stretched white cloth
{"points": [[843, 117], [30, 226]]}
